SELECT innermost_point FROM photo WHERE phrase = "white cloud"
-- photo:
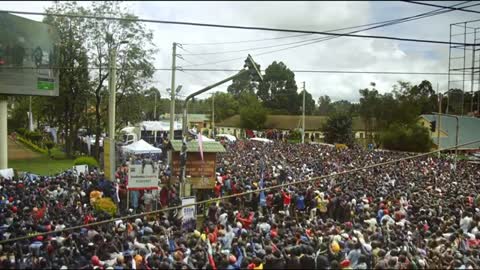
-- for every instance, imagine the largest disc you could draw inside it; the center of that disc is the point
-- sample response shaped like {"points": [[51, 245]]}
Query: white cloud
{"points": [[336, 54]]}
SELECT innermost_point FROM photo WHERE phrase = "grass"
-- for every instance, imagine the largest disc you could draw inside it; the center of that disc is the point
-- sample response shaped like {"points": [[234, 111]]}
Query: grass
{"points": [[41, 165]]}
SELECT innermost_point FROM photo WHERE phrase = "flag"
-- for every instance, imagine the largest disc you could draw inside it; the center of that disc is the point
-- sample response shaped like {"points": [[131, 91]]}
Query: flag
{"points": [[200, 145]]}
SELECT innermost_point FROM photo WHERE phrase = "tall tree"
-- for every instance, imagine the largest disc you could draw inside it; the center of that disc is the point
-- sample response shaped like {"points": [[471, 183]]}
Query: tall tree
{"points": [[368, 108], [253, 115], [324, 105], [74, 76], [338, 129], [309, 102], [278, 90]]}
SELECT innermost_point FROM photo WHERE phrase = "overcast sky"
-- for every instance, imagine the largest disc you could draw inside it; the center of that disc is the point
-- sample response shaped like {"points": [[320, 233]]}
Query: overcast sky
{"points": [[342, 53]]}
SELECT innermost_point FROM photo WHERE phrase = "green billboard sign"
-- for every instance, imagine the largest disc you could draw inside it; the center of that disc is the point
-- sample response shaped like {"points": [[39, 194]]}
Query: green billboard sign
{"points": [[28, 57]]}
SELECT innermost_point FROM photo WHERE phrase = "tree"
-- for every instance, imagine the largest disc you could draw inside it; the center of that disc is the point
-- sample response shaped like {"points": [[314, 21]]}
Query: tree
{"points": [[342, 107], [406, 137], [324, 105], [309, 102], [253, 116], [368, 108], [88, 43], [226, 105], [278, 90], [74, 77], [242, 84], [338, 129]]}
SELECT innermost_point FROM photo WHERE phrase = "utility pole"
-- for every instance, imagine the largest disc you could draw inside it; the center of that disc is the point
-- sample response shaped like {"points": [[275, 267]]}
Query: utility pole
{"points": [[213, 115], [111, 108], [303, 116], [439, 119], [172, 100], [155, 107], [30, 115], [3, 133]]}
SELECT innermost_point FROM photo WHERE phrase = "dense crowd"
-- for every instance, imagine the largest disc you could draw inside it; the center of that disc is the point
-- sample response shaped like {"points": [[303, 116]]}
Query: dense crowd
{"points": [[414, 214]]}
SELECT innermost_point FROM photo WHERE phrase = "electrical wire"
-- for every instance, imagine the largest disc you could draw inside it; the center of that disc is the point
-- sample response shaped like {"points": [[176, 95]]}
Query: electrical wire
{"points": [[434, 5], [317, 40], [382, 24], [235, 195], [293, 70], [339, 29], [236, 27]]}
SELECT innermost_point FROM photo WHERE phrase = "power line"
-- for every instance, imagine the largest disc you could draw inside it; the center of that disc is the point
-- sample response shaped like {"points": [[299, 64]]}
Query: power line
{"points": [[314, 41], [382, 24], [293, 70], [234, 195], [243, 41], [236, 27], [340, 29], [434, 5]]}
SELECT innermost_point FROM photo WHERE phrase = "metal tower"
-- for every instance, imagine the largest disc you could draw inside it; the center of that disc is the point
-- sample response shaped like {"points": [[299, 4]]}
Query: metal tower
{"points": [[464, 68]]}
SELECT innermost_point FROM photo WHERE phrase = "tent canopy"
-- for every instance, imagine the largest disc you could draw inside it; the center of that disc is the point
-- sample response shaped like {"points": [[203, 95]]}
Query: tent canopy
{"points": [[261, 140], [205, 138], [227, 136], [141, 147]]}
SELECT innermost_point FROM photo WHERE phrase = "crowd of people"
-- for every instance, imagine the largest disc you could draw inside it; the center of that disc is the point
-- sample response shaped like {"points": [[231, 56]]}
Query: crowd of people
{"points": [[421, 213]]}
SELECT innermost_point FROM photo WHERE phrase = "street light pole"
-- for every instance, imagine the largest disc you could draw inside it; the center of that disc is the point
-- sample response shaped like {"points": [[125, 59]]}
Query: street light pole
{"points": [[111, 108], [303, 115], [172, 100]]}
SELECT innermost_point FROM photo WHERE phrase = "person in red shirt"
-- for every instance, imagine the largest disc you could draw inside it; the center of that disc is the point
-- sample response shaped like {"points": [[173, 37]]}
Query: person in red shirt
{"points": [[287, 199], [246, 222]]}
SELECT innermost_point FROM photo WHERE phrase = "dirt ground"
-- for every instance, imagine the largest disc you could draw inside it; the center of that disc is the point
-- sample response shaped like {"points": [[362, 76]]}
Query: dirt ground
{"points": [[17, 151]]}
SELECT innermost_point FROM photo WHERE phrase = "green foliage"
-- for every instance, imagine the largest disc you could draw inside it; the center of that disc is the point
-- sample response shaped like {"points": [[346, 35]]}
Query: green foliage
{"points": [[226, 105], [105, 205], [324, 105], [85, 160], [278, 90], [57, 153], [253, 115], [338, 129], [411, 138], [22, 131], [32, 145], [295, 134]]}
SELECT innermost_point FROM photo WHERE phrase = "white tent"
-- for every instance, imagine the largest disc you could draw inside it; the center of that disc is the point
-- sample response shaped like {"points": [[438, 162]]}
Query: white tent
{"points": [[141, 147], [205, 138], [261, 140], [227, 136]]}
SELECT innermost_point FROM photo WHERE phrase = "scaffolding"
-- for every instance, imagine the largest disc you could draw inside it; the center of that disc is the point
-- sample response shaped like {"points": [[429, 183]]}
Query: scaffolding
{"points": [[464, 68]]}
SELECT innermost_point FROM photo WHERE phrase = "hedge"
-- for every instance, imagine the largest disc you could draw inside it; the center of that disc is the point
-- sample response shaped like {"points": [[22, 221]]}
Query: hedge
{"points": [[85, 160], [31, 145]]}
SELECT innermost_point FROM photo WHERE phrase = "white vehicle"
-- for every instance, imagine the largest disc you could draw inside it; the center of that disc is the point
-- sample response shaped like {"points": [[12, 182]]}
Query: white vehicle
{"points": [[149, 131], [227, 137]]}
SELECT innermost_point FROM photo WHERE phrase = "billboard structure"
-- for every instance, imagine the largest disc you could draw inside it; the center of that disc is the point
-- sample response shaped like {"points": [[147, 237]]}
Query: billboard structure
{"points": [[28, 57], [142, 177]]}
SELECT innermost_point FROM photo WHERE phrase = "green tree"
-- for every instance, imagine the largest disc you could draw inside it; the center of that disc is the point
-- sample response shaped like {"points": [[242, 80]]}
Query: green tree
{"points": [[338, 129], [324, 105], [254, 115], [278, 90], [242, 84], [74, 77], [342, 107], [368, 109], [309, 102], [406, 137], [226, 105]]}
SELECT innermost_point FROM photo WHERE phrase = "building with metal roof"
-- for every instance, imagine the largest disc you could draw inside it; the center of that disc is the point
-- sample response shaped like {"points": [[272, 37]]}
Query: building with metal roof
{"points": [[468, 131]]}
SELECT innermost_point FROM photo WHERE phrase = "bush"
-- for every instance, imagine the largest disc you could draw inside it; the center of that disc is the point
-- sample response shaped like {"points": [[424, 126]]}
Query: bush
{"points": [[35, 136], [410, 138], [22, 131], [57, 153], [85, 160], [31, 145], [105, 205]]}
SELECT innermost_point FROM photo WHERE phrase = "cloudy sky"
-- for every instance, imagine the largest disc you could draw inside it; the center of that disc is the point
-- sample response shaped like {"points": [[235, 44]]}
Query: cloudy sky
{"points": [[344, 53]]}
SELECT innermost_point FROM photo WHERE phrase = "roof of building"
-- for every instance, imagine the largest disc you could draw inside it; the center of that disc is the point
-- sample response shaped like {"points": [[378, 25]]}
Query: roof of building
{"points": [[192, 146], [468, 131], [289, 122], [192, 117]]}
